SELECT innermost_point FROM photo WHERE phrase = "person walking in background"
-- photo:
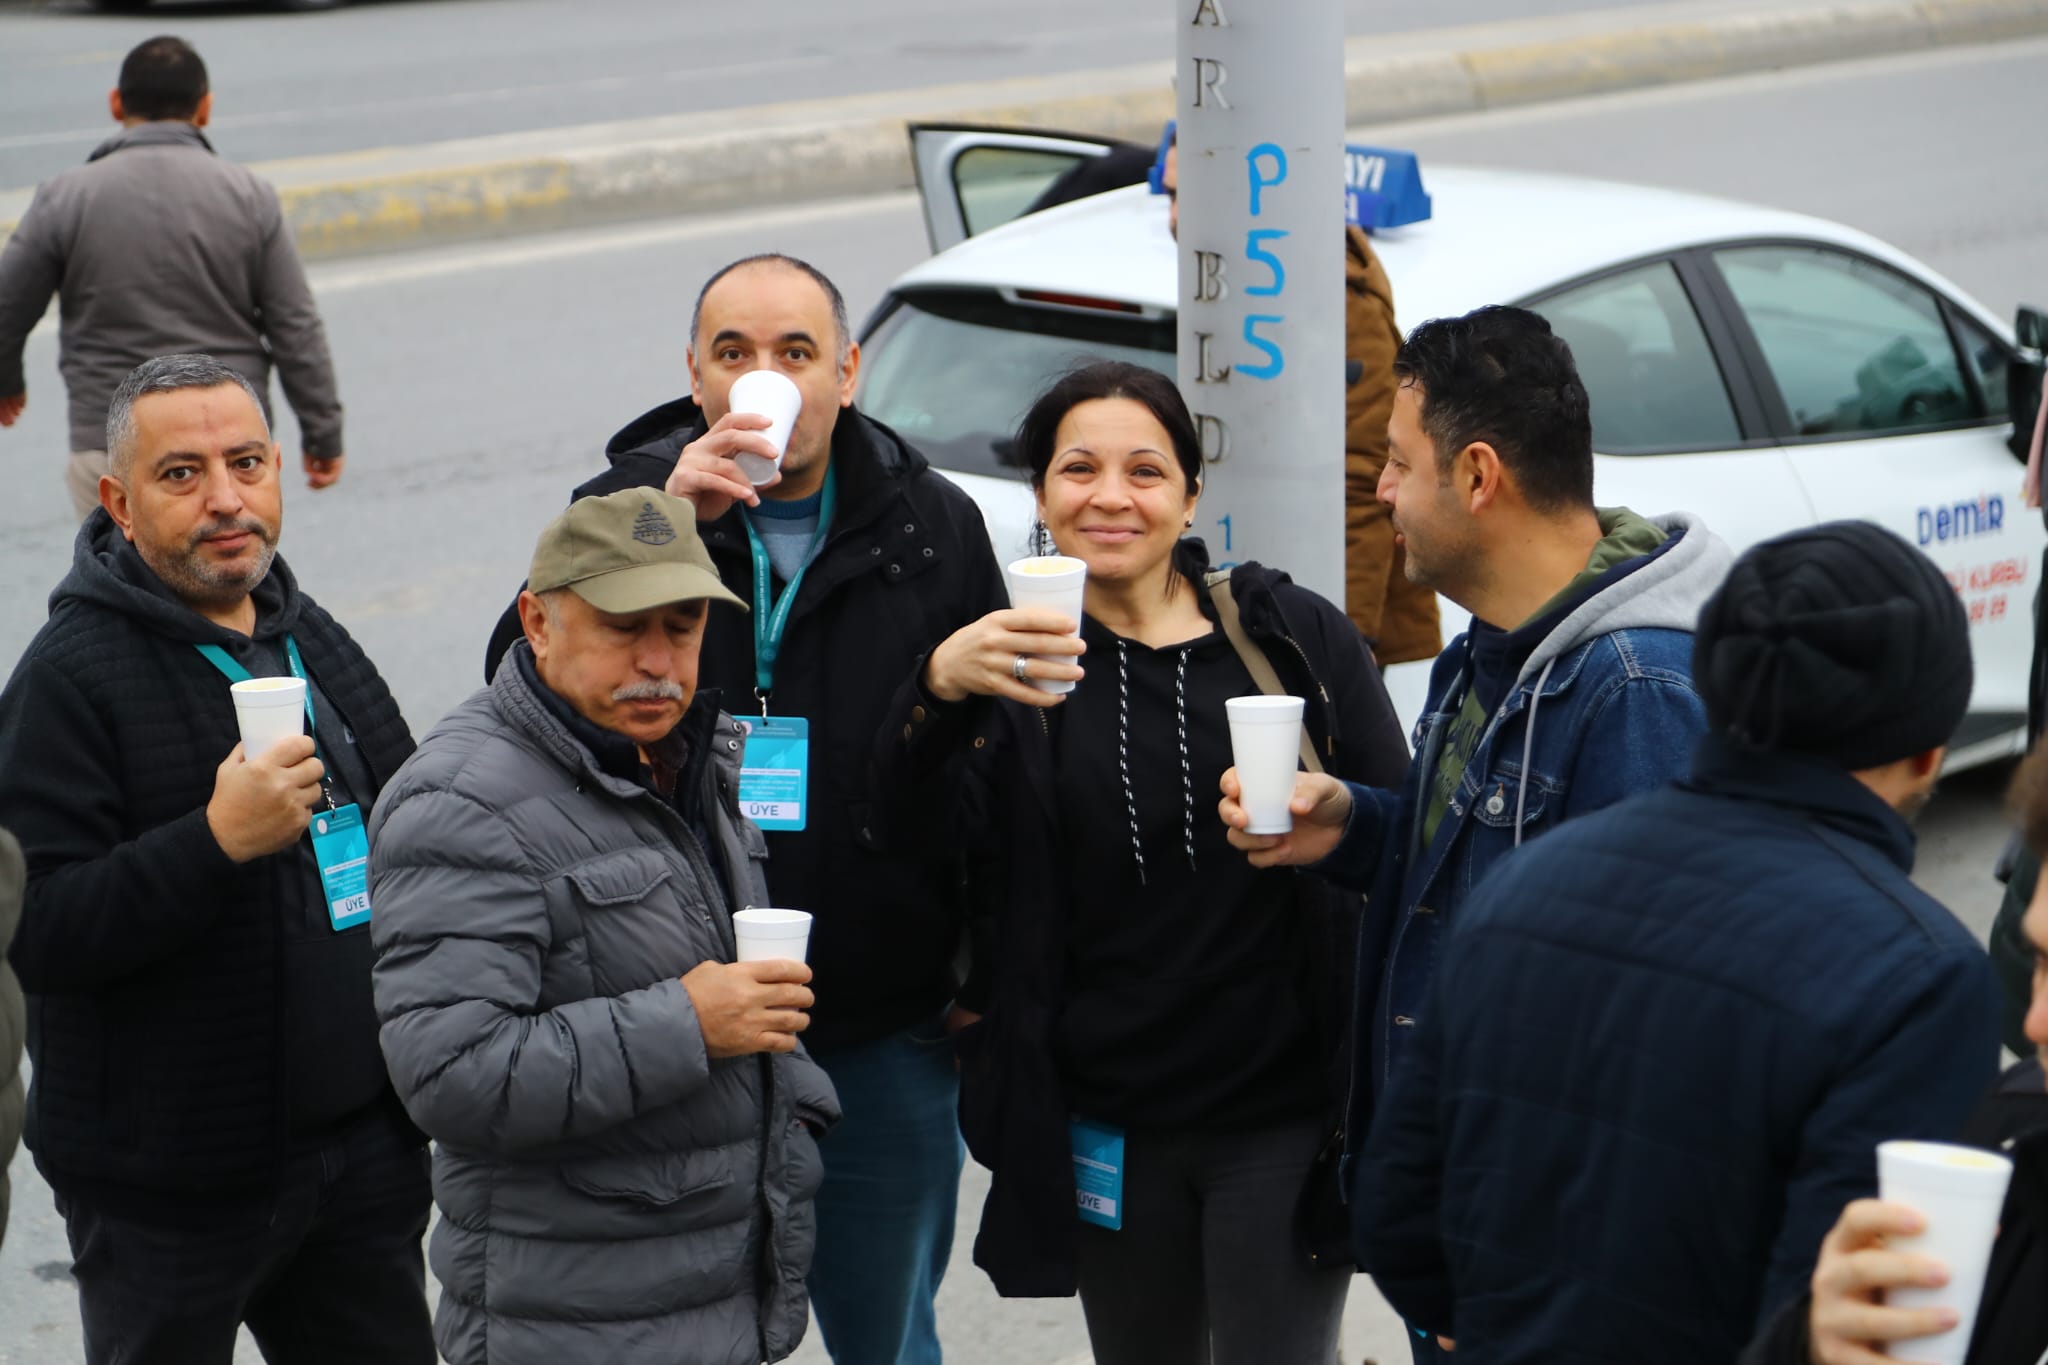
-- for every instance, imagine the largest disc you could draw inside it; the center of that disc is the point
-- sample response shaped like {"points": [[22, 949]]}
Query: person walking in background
{"points": [[854, 560], [207, 1098], [626, 1128], [1663, 1043], [13, 1019], [157, 246], [1143, 977], [1395, 613]]}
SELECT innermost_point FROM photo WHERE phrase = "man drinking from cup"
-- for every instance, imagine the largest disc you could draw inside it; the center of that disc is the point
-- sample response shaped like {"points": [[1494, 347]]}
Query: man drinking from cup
{"points": [[208, 1103], [625, 1124]]}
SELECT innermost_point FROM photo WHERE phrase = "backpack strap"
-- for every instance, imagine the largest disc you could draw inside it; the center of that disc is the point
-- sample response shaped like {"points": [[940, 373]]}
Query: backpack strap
{"points": [[1255, 661]]}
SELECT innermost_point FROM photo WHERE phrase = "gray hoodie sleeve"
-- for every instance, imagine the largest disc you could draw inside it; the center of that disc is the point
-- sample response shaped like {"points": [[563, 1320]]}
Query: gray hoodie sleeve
{"points": [[30, 271], [298, 341], [461, 930]]}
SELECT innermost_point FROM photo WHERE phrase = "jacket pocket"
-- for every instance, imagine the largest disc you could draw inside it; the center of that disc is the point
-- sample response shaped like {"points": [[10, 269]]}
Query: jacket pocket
{"points": [[623, 878], [1501, 795], [657, 1180]]}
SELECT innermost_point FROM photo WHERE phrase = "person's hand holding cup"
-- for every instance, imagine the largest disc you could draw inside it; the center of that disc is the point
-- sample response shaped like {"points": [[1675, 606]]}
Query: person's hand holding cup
{"points": [[748, 1007], [1318, 810], [1047, 583], [1937, 1273], [1853, 1316], [1014, 653]]}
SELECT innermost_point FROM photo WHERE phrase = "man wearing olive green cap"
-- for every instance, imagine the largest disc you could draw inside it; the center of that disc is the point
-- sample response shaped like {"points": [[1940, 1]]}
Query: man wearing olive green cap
{"points": [[626, 1125]]}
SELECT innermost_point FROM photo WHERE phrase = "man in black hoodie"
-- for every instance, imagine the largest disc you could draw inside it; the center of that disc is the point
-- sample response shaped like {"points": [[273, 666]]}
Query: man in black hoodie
{"points": [[208, 1101], [857, 560]]}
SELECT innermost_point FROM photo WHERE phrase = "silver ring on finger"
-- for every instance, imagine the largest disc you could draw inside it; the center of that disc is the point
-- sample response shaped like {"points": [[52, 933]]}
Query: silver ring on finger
{"points": [[1017, 668]]}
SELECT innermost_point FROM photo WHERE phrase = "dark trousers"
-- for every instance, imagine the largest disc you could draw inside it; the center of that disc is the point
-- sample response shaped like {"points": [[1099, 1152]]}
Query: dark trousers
{"points": [[1207, 1269], [327, 1273]]}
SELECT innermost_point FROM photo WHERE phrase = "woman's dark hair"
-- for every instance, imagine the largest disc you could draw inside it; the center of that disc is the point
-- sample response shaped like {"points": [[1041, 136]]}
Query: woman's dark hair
{"points": [[1109, 379], [162, 79]]}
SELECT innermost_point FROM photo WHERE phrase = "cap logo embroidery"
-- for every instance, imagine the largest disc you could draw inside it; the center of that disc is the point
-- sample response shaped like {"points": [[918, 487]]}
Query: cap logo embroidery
{"points": [[651, 527]]}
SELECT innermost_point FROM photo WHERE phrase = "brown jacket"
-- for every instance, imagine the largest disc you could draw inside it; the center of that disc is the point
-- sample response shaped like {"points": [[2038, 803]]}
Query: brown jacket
{"points": [[1397, 618], [156, 246]]}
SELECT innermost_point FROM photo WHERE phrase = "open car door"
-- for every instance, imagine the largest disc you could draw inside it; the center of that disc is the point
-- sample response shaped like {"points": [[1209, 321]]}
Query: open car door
{"points": [[973, 178]]}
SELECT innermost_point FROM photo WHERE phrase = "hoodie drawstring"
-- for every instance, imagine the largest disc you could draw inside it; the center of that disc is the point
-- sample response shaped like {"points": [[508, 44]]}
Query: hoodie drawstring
{"points": [[1529, 748], [1123, 754]]}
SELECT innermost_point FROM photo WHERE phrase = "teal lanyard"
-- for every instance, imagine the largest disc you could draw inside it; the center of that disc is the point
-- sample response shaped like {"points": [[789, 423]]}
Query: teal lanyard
{"points": [[769, 624], [228, 665]]}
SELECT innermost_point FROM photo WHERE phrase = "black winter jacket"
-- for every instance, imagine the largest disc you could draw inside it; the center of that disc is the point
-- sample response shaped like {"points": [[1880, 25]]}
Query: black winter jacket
{"points": [[13, 1019], [989, 766], [153, 963], [905, 563], [2012, 1317], [1661, 1046]]}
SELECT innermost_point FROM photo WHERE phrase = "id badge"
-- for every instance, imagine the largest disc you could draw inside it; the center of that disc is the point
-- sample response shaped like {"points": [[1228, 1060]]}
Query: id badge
{"points": [[775, 771], [1098, 1172], [341, 847]]}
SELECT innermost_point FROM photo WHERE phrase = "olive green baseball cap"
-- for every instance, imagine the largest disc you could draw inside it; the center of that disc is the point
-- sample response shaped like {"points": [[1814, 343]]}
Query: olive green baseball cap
{"points": [[626, 552]]}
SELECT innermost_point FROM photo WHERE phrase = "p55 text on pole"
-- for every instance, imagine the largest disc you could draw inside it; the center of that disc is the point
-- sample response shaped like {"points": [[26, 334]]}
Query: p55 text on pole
{"points": [[1260, 90]]}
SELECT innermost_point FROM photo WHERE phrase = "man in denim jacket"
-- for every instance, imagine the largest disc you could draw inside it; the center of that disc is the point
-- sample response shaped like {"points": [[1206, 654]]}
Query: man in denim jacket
{"points": [[1571, 689]]}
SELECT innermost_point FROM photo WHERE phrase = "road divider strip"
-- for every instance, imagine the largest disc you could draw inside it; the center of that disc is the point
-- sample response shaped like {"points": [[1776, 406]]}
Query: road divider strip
{"points": [[788, 153]]}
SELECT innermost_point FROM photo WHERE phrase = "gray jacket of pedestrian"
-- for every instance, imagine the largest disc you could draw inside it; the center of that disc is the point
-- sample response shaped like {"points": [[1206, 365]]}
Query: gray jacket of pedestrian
{"points": [[156, 246], [13, 1017], [608, 1192]]}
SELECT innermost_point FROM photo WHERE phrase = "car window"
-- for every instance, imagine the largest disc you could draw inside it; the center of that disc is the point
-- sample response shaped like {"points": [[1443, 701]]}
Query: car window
{"points": [[1646, 364], [955, 370], [1853, 346], [996, 184], [1991, 360]]}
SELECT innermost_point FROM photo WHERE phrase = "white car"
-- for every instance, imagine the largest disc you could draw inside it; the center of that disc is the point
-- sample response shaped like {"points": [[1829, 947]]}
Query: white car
{"points": [[1763, 369]]}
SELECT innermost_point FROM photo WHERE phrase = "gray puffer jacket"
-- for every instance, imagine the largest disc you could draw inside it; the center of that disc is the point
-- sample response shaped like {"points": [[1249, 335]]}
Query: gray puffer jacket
{"points": [[607, 1192]]}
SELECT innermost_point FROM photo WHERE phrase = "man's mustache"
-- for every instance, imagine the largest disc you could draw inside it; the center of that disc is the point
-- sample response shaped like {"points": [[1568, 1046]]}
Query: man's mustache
{"points": [[661, 689], [228, 526]]}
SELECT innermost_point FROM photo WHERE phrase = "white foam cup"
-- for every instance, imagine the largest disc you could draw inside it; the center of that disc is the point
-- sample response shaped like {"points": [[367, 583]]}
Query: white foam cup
{"points": [[268, 710], [1265, 740], [1960, 1192], [1056, 582], [771, 394], [772, 935]]}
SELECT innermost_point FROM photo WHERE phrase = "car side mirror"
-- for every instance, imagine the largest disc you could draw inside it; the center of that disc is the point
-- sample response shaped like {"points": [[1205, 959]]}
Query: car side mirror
{"points": [[2023, 378], [2030, 325]]}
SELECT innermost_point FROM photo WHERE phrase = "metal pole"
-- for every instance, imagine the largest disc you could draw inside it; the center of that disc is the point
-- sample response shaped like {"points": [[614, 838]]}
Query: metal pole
{"points": [[1260, 89]]}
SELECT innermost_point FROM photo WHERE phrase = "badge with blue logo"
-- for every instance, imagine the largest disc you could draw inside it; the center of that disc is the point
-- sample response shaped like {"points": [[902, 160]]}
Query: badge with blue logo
{"points": [[341, 849], [1098, 1172], [775, 771]]}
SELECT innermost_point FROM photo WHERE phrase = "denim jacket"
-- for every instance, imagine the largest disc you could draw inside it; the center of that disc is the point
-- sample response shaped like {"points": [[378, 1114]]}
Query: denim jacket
{"points": [[1603, 709]]}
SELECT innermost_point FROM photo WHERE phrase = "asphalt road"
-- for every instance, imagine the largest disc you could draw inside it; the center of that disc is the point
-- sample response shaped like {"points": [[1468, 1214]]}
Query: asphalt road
{"points": [[398, 72], [483, 381]]}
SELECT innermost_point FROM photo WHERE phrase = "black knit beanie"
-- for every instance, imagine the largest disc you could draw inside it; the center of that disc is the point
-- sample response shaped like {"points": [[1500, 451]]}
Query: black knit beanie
{"points": [[1840, 641]]}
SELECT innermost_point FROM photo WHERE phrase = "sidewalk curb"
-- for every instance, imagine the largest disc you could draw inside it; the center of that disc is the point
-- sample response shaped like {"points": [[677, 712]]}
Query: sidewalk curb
{"points": [[692, 164]]}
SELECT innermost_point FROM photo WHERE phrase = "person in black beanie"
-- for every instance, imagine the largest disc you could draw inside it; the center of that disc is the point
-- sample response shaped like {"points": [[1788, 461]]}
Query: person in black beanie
{"points": [[1666, 1039]]}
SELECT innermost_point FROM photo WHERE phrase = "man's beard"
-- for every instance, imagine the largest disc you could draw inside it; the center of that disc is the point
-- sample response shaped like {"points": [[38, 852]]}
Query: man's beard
{"points": [[193, 578]]}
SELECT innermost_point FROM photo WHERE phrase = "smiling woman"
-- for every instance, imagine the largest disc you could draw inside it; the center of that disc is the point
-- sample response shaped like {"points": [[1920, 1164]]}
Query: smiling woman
{"points": [[1147, 979]]}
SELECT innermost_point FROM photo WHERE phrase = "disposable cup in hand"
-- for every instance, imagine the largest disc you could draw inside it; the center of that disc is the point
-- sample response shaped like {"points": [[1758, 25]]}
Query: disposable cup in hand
{"points": [[772, 935], [268, 710], [1058, 583], [770, 394], [1959, 1191], [1265, 737]]}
